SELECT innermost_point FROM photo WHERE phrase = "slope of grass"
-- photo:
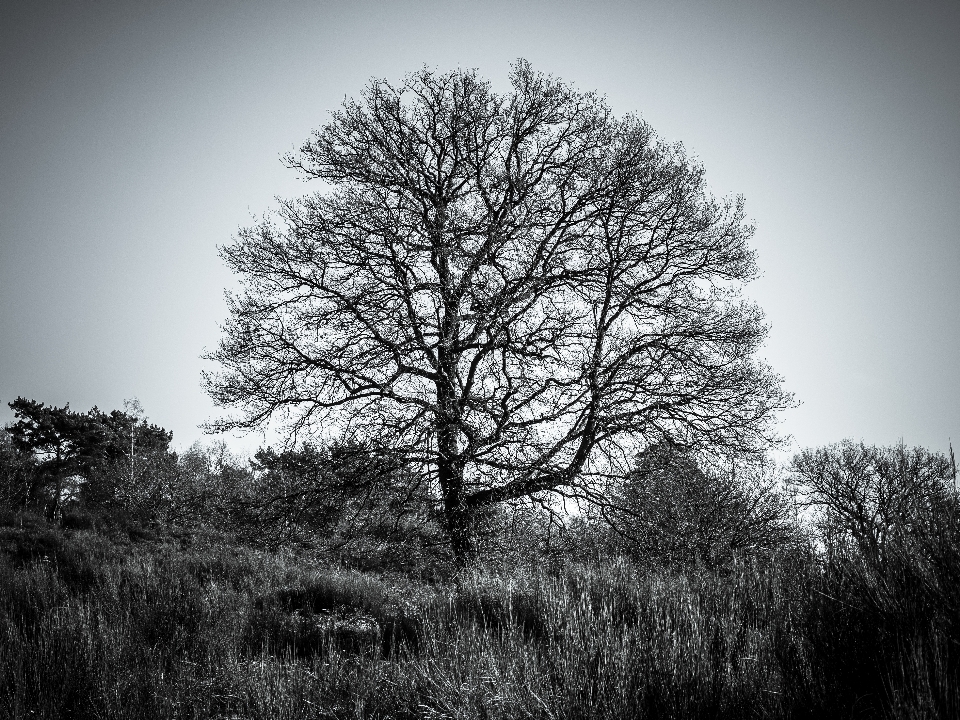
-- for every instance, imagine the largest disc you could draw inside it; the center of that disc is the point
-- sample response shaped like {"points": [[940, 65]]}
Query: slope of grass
{"points": [[164, 629]]}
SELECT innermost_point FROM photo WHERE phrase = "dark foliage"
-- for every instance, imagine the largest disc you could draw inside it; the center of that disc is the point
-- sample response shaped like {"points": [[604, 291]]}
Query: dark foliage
{"points": [[53, 456], [211, 631], [707, 602], [669, 510], [338, 494]]}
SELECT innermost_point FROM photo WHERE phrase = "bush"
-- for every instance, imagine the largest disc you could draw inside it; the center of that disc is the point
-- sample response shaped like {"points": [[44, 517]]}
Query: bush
{"points": [[78, 519]]}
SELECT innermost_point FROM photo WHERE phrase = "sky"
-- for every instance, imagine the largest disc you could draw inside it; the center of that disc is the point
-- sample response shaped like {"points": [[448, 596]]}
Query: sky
{"points": [[137, 137]]}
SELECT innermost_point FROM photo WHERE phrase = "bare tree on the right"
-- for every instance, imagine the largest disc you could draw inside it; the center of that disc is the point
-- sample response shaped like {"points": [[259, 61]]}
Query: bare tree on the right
{"points": [[874, 498]]}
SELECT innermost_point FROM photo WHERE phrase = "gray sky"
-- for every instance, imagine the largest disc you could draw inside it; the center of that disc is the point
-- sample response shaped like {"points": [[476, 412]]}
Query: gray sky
{"points": [[136, 137]]}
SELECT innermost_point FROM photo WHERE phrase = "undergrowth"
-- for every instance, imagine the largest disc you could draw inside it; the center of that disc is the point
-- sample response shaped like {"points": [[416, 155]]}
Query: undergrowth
{"points": [[92, 626]]}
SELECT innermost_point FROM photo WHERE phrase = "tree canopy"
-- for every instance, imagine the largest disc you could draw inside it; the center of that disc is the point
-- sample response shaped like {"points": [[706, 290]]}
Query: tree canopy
{"points": [[63, 443], [670, 510], [520, 290]]}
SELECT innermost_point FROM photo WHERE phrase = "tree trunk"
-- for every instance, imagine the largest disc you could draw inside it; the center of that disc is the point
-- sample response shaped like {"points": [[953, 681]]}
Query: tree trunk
{"points": [[456, 514], [450, 463], [459, 530], [55, 501], [34, 496]]}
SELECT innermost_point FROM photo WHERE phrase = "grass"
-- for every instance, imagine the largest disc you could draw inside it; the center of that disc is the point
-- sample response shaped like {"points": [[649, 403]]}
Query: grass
{"points": [[102, 627]]}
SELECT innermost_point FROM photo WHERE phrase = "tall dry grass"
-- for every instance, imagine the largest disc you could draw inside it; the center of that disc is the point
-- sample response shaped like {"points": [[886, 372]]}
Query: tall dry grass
{"points": [[92, 628]]}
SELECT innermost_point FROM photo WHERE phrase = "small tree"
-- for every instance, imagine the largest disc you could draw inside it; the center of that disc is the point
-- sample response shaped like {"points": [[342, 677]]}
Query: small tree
{"points": [[522, 290], [204, 487], [874, 498], [135, 463], [670, 510], [62, 443]]}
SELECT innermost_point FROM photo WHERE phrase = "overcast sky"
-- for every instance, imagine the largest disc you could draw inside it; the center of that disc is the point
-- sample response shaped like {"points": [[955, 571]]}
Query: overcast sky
{"points": [[136, 137]]}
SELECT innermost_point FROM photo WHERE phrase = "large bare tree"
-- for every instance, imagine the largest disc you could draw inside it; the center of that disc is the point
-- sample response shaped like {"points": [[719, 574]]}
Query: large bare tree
{"points": [[520, 289]]}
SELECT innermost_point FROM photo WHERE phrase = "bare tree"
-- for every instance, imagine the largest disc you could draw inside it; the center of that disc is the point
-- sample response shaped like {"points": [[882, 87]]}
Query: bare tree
{"points": [[520, 289], [875, 497]]}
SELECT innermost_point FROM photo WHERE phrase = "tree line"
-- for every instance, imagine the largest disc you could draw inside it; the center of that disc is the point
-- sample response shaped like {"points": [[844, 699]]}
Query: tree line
{"points": [[109, 466], [371, 504]]}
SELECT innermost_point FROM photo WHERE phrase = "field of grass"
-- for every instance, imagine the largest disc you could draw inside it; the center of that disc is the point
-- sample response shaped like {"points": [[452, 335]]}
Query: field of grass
{"points": [[103, 626]]}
